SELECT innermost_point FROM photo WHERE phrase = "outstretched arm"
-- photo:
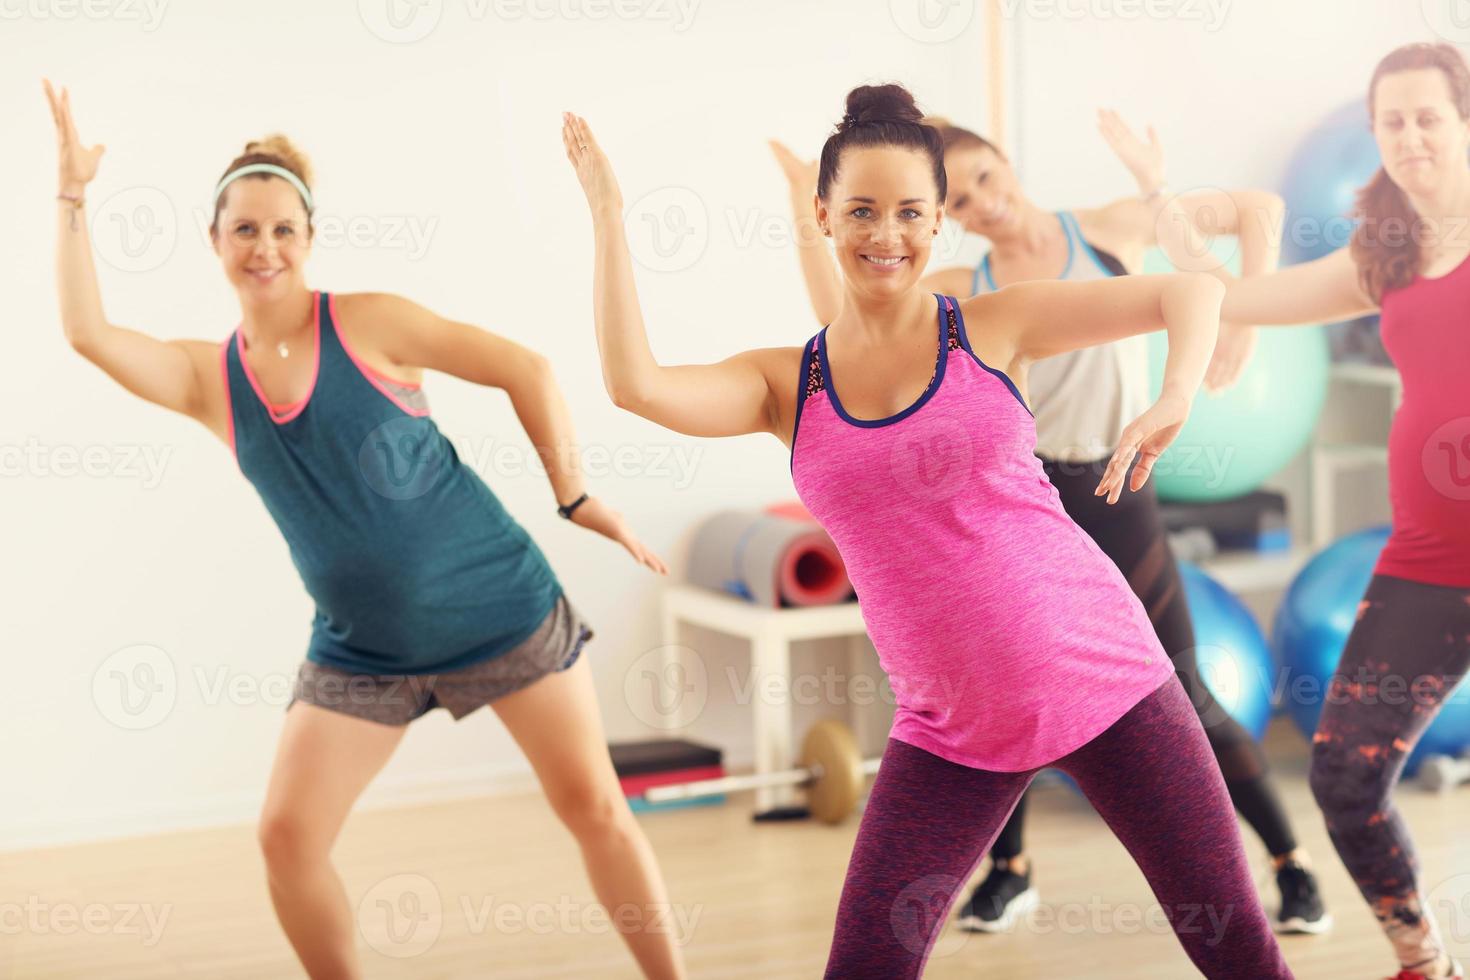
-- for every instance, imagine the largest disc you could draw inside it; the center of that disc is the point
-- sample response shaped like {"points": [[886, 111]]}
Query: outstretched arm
{"points": [[732, 397], [1043, 318], [407, 333]]}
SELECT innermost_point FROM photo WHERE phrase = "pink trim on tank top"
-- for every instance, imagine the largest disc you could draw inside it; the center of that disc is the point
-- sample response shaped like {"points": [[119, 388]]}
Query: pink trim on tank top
{"points": [[295, 408], [224, 371], [374, 376]]}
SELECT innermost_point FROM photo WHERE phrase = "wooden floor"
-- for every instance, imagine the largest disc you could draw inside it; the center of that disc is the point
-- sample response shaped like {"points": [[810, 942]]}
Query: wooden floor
{"points": [[512, 901]]}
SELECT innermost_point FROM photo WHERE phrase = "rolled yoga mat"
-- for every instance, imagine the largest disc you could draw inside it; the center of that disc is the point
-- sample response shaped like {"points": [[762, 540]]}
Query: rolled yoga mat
{"points": [[768, 559]]}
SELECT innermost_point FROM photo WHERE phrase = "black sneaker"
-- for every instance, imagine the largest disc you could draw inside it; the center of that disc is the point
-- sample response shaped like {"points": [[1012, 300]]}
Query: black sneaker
{"points": [[1301, 904], [999, 900]]}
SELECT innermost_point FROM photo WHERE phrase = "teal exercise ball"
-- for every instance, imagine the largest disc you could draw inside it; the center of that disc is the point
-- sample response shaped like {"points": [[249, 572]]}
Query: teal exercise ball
{"points": [[1235, 441]]}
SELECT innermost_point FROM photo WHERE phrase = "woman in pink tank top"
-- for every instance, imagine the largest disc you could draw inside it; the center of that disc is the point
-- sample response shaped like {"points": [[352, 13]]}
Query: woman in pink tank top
{"points": [[1011, 641], [1409, 258]]}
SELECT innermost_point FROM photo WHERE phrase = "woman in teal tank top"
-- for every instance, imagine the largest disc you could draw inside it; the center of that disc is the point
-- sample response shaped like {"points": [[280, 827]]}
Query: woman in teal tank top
{"points": [[427, 593]]}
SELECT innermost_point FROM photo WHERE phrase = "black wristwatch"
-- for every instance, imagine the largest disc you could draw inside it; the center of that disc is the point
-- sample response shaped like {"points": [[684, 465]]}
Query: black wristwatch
{"points": [[566, 511]]}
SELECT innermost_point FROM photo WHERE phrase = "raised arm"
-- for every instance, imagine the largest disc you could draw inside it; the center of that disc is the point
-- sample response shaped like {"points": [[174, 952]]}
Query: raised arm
{"points": [[732, 397], [174, 373], [1043, 318]]}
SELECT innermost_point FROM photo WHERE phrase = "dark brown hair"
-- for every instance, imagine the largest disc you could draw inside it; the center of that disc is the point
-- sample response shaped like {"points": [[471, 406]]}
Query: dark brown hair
{"points": [[275, 149], [1389, 261], [881, 115]]}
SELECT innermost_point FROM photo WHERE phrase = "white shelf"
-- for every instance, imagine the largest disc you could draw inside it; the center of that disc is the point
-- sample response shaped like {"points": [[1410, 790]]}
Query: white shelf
{"points": [[1255, 571], [1368, 374], [1352, 454]]}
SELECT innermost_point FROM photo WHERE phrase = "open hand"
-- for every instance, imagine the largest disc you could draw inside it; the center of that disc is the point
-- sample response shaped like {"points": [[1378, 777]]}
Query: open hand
{"points": [[1147, 437], [1145, 161], [594, 170], [597, 516], [802, 174], [78, 163]]}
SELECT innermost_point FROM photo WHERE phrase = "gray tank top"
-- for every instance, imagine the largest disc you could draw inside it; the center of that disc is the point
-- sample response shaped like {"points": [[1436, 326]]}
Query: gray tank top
{"points": [[1084, 398]]}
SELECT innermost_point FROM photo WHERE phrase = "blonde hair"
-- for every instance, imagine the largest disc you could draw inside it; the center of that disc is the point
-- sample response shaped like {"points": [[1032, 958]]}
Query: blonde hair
{"points": [[275, 149]]}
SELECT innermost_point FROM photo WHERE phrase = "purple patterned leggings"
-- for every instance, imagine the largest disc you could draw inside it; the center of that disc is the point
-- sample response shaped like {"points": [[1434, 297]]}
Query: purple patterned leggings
{"points": [[1152, 777]]}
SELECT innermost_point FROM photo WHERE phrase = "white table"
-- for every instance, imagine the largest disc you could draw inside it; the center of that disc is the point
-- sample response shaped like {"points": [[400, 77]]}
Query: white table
{"points": [[770, 633]]}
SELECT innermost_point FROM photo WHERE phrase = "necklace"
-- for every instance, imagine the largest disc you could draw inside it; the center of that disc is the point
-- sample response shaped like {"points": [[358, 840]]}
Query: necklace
{"points": [[282, 349]]}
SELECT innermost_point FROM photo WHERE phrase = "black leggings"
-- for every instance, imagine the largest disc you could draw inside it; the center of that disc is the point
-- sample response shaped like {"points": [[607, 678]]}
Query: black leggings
{"points": [[1131, 533]]}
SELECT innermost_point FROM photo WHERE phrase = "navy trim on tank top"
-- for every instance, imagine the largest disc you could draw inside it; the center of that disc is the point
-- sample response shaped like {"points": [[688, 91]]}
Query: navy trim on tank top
{"points": [[806, 358], [965, 343], [941, 359]]}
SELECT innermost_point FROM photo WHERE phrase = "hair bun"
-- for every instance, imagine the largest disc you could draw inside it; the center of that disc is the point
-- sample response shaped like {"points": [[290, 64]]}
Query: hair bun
{"points": [[279, 146], [879, 104]]}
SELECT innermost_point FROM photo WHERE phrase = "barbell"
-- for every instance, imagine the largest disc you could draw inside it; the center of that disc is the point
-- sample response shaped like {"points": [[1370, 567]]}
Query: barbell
{"points": [[830, 769]]}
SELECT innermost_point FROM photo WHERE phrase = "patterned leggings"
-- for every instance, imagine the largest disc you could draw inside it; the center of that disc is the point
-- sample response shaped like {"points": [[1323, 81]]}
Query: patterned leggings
{"points": [[1408, 650], [1151, 776]]}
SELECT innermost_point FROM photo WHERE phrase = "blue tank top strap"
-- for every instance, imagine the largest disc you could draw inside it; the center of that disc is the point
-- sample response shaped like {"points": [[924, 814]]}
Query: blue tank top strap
{"points": [[809, 381]]}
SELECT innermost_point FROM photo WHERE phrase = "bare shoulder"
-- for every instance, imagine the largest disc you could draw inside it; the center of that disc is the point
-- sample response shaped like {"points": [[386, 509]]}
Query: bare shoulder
{"points": [[955, 281], [1118, 226], [372, 321], [993, 322]]}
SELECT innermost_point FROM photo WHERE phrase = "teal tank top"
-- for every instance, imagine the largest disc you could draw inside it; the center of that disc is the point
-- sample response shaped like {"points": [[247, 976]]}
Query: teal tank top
{"points": [[414, 565]]}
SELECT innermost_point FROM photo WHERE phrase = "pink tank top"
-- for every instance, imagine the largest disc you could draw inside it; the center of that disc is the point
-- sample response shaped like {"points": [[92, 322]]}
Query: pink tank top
{"points": [[1008, 637], [1427, 334]]}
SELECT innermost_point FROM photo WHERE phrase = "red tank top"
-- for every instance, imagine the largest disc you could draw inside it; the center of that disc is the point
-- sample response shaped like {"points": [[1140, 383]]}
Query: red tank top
{"points": [[1426, 329]]}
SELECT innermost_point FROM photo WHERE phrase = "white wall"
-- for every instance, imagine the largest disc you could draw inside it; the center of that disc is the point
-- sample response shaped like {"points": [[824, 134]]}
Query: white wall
{"points": [[454, 138]]}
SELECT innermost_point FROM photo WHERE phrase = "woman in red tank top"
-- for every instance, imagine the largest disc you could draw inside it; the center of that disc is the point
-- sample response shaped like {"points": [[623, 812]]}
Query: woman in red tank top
{"points": [[1410, 259]]}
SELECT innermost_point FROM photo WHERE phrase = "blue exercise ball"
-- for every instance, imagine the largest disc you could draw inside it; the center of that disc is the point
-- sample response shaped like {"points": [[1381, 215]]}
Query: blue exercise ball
{"points": [[1235, 660], [1311, 630], [1329, 166]]}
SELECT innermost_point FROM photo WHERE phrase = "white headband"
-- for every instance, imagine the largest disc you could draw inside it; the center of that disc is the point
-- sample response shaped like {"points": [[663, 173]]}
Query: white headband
{"points": [[265, 168]]}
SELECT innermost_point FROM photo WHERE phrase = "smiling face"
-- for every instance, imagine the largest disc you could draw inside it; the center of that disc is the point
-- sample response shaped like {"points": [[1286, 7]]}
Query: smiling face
{"points": [[984, 195], [882, 213], [1421, 138], [263, 238]]}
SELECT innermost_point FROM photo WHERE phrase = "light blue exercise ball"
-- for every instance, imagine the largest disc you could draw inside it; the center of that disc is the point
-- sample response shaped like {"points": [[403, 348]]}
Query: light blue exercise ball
{"points": [[1332, 162]]}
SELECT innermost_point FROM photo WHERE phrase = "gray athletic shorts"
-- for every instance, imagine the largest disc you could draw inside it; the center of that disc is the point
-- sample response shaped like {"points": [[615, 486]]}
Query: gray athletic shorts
{"points": [[397, 699]]}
